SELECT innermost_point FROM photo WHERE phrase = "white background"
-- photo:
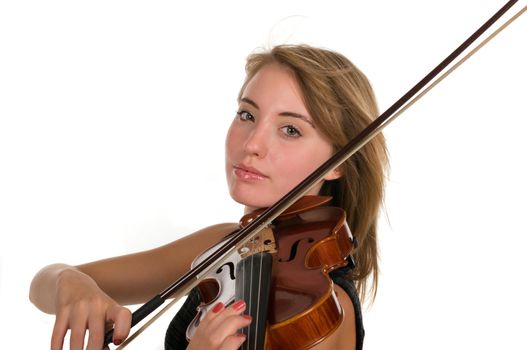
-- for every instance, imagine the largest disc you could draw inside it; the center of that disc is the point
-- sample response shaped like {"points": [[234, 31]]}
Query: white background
{"points": [[113, 116]]}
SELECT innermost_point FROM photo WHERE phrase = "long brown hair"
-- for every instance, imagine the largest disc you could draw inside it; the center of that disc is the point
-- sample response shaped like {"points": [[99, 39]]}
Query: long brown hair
{"points": [[341, 101]]}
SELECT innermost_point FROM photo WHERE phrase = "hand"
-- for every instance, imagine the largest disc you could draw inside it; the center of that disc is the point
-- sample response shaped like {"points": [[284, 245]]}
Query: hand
{"points": [[218, 330], [80, 305]]}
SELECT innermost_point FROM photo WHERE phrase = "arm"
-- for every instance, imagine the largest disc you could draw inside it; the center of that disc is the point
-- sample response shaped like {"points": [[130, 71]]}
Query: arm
{"points": [[89, 295], [135, 278]]}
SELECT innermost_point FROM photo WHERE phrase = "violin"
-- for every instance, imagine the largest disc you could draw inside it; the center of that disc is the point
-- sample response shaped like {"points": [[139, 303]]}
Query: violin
{"points": [[282, 274], [260, 234]]}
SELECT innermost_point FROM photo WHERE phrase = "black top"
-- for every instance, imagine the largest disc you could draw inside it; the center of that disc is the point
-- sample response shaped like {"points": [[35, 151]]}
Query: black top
{"points": [[175, 338]]}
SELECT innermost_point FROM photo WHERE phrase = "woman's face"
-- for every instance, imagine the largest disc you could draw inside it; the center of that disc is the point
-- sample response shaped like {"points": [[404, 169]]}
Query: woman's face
{"points": [[272, 143]]}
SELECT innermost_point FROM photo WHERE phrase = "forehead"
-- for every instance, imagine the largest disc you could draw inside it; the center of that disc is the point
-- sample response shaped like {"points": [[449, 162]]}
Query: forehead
{"points": [[275, 83]]}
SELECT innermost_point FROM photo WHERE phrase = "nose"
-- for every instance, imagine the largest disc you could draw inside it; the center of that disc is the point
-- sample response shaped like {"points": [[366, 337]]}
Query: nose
{"points": [[257, 142]]}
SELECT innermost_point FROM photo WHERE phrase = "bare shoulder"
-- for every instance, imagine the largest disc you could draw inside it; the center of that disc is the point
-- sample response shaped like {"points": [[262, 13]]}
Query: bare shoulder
{"points": [[348, 336], [344, 337]]}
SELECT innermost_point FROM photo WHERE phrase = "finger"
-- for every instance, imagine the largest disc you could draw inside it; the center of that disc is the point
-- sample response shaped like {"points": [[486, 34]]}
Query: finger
{"points": [[236, 308], [219, 321], [59, 332], [96, 326], [228, 327], [233, 342], [215, 311], [77, 334], [233, 324], [122, 318]]}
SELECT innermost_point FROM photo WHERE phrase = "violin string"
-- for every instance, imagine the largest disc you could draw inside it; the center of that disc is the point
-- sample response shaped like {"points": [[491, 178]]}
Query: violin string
{"points": [[250, 297], [258, 304], [243, 293], [250, 304], [406, 106], [249, 287]]}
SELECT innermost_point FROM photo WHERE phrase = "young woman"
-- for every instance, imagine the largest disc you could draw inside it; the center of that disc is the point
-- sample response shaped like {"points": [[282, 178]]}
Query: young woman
{"points": [[297, 106]]}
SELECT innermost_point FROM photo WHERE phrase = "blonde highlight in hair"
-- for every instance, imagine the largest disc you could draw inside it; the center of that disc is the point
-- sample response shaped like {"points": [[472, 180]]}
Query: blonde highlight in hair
{"points": [[339, 98]]}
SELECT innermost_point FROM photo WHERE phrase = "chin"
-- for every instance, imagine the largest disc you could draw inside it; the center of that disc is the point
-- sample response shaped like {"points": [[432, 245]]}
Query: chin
{"points": [[252, 202]]}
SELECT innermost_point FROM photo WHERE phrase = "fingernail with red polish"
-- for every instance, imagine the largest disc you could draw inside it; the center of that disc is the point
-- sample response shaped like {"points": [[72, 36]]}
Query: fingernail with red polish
{"points": [[247, 317], [217, 308], [117, 342], [238, 305]]}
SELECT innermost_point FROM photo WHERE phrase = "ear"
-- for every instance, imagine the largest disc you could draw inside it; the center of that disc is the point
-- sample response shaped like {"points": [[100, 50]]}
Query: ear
{"points": [[333, 175]]}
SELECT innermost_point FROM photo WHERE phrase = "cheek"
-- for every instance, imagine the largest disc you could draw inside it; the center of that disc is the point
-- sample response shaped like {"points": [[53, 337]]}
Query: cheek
{"points": [[232, 141], [299, 165], [228, 152], [296, 167]]}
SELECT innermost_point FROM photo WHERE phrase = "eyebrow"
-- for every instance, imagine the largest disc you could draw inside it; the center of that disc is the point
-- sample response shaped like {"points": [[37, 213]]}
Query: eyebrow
{"points": [[283, 114]]}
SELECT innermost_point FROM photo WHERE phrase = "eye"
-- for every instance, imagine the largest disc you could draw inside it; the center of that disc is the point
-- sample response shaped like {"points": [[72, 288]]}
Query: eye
{"points": [[291, 131], [244, 115]]}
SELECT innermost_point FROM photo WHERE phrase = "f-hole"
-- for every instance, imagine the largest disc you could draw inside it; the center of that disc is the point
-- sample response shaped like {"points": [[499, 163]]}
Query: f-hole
{"points": [[294, 248], [230, 265]]}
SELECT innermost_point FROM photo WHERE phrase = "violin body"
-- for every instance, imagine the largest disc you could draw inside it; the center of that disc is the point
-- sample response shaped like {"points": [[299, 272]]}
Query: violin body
{"points": [[303, 307], [311, 240]]}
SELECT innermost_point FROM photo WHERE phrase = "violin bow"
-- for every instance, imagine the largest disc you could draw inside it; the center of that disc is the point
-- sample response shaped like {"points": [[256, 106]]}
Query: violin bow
{"points": [[189, 280]]}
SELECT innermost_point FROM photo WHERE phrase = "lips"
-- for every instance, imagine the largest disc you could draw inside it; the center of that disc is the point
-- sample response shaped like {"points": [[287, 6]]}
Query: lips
{"points": [[248, 173]]}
